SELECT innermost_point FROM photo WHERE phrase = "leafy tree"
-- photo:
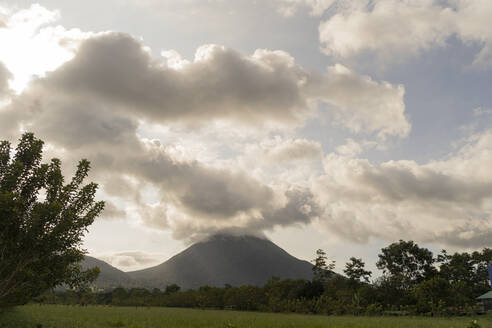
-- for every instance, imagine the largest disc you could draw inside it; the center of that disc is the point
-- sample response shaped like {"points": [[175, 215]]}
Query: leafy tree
{"points": [[466, 268], [355, 270], [457, 267], [173, 288], [248, 298], [322, 270], [42, 222], [390, 290], [430, 293], [407, 262], [311, 289], [482, 260], [119, 296]]}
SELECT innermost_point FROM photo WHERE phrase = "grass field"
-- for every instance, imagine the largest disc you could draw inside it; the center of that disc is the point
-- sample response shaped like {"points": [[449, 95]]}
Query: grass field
{"points": [[58, 316]]}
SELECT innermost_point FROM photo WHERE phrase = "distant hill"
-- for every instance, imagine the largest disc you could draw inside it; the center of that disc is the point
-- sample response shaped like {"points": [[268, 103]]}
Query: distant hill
{"points": [[109, 276], [225, 259]]}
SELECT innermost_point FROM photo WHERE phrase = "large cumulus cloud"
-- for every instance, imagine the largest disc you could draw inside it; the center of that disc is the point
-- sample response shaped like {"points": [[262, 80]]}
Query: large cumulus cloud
{"points": [[117, 69], [447, 201], [265, 88]]}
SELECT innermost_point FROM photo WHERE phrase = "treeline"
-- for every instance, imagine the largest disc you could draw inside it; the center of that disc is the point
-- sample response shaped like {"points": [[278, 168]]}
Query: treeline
{"points": [[414, 281]]}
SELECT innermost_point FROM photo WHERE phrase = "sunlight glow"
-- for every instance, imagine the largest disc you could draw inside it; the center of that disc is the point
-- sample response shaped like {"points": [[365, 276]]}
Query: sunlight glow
{"points": [[25, 33]]}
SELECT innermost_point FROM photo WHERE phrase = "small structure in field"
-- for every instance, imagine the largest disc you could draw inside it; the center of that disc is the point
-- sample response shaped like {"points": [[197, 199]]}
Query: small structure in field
{"points": [[485, 300]]}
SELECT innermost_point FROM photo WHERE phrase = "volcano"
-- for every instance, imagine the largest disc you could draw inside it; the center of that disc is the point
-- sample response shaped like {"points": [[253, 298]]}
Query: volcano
{"points": [[224, 259]]}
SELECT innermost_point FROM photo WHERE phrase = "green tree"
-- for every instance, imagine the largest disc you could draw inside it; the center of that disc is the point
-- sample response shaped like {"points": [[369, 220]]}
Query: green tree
{"points": [[173, 288], [407, 262], [42, 222], [355, 270], [466, 268], [430, 293], [457, 267], [482, 260], [322, 270]]}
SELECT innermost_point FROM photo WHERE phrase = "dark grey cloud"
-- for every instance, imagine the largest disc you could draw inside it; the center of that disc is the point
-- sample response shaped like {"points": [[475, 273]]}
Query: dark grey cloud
{"points": [[220, 83], [218, 198], [77, 122], [203, 190], [300, 207]]}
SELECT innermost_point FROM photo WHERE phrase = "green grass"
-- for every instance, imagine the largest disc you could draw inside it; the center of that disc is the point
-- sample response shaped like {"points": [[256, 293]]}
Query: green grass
{"points": [[59, 316]]}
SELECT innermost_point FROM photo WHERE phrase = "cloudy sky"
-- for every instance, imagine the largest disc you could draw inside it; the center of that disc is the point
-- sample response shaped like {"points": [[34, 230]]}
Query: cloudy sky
{"points": [[335, 124]]}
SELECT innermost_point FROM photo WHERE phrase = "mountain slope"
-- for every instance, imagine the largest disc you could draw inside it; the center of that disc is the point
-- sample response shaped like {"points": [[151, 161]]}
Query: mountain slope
{"points": [[225, 259], [109, 276]]}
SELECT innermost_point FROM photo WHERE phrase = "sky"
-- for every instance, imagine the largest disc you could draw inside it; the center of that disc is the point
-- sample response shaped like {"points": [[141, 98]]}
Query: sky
{"points": [[336, 124]]}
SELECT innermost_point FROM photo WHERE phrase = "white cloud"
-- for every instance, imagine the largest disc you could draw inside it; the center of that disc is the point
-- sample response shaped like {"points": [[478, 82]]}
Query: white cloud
{"points": [[360, 103], [279, 150], [395, 30], [481, 111], [289, 8], [352, 148], [132, 260], [447, 201]]}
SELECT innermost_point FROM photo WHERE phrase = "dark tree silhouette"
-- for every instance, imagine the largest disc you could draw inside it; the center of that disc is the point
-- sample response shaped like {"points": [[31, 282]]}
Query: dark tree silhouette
{"points": [[355, 270], [322, 270]]}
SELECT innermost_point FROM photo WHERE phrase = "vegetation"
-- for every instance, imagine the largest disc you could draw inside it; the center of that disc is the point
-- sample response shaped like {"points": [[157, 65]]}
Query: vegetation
{"points": [[42, 221], [57, 316], [414, 282], [321, 270], [355, 270]]}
